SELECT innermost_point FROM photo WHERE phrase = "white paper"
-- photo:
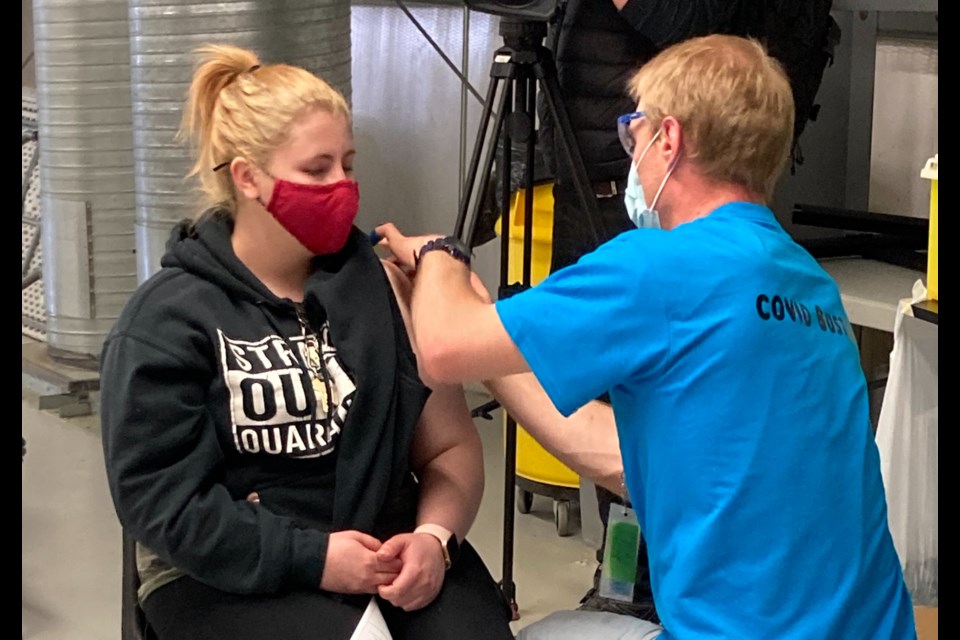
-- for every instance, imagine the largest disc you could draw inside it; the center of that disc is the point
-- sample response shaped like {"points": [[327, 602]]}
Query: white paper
{"points": [[372, 626]]}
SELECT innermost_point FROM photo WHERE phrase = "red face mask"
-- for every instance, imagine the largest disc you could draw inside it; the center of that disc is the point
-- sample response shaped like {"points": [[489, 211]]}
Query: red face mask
{"points": [[319, 216]]}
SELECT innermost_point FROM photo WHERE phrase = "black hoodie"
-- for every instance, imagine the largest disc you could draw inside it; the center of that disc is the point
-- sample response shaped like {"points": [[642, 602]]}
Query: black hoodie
{"points": [[206, 398]]}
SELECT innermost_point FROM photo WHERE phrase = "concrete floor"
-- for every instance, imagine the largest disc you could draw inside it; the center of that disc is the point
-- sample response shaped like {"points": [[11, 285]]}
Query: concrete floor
{"points": [[71, 539]]}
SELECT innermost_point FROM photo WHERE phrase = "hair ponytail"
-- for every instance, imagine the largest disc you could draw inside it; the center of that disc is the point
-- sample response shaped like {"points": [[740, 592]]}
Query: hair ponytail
{"points": [[218, 67]]}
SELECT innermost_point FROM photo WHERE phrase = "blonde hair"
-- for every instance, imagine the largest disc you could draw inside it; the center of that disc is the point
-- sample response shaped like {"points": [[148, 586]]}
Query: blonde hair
{"points": [[733, 101], [238, 107]]}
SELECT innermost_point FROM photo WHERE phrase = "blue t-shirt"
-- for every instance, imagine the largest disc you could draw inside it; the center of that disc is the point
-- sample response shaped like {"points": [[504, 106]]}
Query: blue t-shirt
{"points": [[743, 421]]}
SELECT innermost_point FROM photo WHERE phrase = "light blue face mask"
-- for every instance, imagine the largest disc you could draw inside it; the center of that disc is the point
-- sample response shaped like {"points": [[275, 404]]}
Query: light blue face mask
{"points": [[642, 214]]}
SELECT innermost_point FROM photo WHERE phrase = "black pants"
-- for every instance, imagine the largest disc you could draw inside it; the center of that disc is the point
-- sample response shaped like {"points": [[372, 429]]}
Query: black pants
{"points": [[571, 228], [470, 606]]}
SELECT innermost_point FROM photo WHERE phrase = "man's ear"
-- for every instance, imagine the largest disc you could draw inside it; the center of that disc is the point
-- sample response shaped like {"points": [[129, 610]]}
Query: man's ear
{"points": [[242, 173], [671, 140]]}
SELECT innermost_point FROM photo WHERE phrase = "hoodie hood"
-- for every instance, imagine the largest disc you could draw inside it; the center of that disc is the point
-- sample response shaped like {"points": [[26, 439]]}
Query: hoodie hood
{"points": [[204, 248]]}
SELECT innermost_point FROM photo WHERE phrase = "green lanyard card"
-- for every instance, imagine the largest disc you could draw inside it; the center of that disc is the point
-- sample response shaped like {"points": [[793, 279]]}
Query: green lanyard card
{"points": [[619, 570]]}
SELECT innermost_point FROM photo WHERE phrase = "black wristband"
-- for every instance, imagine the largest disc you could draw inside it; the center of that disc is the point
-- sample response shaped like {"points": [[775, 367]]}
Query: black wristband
{"points": [[449, 245]]}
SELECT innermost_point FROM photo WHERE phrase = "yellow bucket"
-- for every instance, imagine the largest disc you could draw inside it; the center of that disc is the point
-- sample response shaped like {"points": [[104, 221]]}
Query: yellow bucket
{"points": [[542, 246], [931, 172], [533, 461]]}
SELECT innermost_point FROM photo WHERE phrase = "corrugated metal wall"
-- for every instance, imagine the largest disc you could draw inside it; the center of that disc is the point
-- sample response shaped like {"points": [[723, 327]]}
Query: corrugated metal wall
{"points": [[86, 169]]}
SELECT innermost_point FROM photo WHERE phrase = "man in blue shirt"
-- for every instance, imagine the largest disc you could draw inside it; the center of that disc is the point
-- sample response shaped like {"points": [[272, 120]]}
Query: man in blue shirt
{"points": [[736, 387]]}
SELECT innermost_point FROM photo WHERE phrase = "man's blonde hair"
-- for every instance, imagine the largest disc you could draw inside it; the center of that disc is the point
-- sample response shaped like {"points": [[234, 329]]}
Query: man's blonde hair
{"points": [[733, 102], [238, 107]]}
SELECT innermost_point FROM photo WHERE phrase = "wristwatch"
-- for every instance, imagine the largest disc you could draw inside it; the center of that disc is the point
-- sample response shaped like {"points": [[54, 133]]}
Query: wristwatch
{"points": [[449, 245], [449, 544]]}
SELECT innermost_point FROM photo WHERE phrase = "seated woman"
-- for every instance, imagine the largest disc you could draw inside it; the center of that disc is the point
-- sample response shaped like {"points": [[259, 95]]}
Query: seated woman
{"points": [[269, 442]]}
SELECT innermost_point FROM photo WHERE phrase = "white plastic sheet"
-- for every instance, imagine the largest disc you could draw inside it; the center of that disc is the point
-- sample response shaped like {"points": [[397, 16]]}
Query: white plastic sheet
{"points": [[907, 436]]}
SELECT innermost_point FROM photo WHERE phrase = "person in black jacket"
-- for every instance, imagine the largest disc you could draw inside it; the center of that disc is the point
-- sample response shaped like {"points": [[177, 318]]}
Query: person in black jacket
{"points": [[269, 441], [597, 44]]}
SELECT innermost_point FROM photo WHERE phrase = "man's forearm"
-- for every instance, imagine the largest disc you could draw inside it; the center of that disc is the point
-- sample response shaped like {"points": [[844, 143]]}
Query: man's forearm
{"points": [[443, 301], [459, 335], [586, 442]]}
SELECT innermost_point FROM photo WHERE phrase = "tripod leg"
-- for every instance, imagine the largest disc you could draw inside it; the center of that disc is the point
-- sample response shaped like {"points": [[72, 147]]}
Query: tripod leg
{"points": [[471, 204], [507, 585], [475, 156], [530, 108], [503, 110], [506, 162], [546, 73], [526, 99]]}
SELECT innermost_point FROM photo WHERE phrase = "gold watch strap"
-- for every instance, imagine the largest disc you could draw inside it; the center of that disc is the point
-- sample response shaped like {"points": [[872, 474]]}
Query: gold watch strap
{"points": [[440, 533]]}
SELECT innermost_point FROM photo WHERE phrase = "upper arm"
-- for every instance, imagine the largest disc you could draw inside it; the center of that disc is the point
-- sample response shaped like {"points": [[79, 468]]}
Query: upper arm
{"points": [[403, 291], [160, 448], [444, 425], [152, 421], [445, 421], [468, 344]]}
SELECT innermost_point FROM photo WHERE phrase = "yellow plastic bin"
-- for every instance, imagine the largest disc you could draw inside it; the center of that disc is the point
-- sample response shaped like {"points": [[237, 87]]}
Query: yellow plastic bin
{"points": [[538, 471], [931, 172]]}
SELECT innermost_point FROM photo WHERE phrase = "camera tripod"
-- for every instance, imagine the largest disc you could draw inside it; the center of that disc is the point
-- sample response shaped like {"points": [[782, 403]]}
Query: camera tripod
{"points": [[523, 66]]}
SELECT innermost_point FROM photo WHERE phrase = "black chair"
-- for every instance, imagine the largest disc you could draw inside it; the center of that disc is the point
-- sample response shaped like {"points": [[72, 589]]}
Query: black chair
{"points": [[133, 624]]}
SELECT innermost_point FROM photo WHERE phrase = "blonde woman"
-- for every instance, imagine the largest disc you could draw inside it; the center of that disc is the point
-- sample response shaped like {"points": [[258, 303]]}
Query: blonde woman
{"points": [[269, 441]]}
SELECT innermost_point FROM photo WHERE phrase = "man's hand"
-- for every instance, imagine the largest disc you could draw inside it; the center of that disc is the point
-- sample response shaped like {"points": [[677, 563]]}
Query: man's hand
{"points": [[422, 573], [354, 566], [404, 248]]}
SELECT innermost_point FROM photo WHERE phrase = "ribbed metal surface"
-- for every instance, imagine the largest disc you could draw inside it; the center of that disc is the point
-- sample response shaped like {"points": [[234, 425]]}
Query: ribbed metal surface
{"points": [[86, 169], [31, 257], [314, 34]]}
